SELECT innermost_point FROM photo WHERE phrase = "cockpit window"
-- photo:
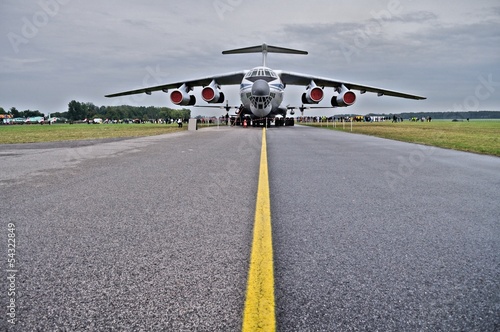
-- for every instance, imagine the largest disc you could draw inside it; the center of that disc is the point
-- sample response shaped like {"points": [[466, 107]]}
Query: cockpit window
{"points": [[261, 73]]}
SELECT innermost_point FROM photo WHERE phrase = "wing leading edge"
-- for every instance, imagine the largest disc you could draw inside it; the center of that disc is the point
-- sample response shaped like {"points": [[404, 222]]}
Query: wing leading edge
{"points": [[223, 79], [304, 80]]}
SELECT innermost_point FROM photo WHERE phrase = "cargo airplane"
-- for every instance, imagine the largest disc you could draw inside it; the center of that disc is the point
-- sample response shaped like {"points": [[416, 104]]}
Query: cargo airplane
{"points": [[262, 89]]}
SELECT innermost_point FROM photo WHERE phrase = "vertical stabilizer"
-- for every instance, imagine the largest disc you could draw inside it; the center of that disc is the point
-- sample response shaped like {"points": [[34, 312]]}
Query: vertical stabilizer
{"points": [[264, 49]]}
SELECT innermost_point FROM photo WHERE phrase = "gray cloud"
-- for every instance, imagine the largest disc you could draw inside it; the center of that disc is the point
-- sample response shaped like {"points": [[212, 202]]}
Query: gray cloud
{"points": [[83, 50]]}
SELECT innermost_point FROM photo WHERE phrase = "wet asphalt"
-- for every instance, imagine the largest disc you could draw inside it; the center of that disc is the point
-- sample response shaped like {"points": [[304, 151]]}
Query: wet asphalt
{"points": [[154, 233]]}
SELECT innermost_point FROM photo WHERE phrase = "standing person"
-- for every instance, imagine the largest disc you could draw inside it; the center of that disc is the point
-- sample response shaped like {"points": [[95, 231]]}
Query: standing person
{"points": [[179, 123]]}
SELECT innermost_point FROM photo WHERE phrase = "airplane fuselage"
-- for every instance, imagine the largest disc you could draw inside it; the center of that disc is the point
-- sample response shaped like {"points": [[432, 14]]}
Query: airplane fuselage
{"points": [[261, 93]]}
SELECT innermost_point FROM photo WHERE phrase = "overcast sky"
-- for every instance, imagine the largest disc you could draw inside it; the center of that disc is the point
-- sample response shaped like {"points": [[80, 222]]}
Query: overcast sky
{"points": [[54, 51]]}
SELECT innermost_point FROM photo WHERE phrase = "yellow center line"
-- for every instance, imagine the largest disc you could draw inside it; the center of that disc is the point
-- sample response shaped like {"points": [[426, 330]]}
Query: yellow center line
{"points": [[259, 304]]}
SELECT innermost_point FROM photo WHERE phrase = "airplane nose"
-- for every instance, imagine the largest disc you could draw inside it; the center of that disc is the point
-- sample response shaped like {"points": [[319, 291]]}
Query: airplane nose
{"points": [[260, 88]]}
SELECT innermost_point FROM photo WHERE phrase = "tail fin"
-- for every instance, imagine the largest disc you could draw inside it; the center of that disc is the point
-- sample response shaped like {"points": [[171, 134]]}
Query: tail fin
{"points": [[264, 48]]}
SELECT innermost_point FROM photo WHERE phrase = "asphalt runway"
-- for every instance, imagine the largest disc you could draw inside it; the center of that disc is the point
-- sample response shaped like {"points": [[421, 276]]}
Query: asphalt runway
{"points": [[377, 235], [154, 233], [148, 234]]}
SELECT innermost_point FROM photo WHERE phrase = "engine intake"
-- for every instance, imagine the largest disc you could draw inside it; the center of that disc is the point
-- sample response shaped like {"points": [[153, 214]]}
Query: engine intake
{"points": [[344, 99], [178, 97], [313, 95], [212, 94], [182, 97]]}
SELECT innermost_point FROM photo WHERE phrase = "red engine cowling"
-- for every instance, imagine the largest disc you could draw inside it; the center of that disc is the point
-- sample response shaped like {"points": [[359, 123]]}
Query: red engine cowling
{"points": [[345, 98], [212, 95], [313, 95], [179, 97]]}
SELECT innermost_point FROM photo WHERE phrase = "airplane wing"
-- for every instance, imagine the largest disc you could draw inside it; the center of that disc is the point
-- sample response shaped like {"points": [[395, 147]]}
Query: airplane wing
{"points": [[222, 79], [303, 79]]}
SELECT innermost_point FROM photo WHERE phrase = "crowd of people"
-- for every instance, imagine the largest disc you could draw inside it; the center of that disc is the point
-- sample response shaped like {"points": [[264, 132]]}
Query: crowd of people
{"points": [[360, 118]]}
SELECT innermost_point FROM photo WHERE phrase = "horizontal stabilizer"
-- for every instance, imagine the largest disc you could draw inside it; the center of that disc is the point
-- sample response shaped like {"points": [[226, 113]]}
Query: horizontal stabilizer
{"points": [[264, 48]]}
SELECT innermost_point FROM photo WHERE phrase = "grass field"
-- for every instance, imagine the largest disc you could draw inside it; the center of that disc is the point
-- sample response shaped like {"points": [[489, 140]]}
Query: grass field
{"points": [[474, 136], [65, 132]]}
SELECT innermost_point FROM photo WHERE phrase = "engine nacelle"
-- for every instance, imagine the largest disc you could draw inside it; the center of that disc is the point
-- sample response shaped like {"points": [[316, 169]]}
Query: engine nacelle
{"points": [[344, 99], [313, 95], [212, 95], [292, 112], [180, 97]]}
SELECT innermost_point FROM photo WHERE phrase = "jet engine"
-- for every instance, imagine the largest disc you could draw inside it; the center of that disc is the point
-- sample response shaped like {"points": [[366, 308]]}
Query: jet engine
{"points": [[182, 97], [345, 98], [313, 95], [212, 94]]}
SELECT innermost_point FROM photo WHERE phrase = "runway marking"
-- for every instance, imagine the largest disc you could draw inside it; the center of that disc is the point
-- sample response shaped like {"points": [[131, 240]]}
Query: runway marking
{"points": [[259, 304]]}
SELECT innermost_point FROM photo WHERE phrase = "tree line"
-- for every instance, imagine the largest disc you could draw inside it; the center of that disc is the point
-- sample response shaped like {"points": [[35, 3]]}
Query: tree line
{"points": [[80, 111], [21, 114]]}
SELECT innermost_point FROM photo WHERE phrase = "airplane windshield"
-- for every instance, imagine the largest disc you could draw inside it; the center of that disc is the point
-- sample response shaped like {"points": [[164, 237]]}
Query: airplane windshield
{"points": [[261, 73]]}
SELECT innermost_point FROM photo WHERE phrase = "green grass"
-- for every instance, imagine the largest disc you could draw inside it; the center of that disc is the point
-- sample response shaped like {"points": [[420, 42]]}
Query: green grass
{"points": [[474, 136], [10, 134]]}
